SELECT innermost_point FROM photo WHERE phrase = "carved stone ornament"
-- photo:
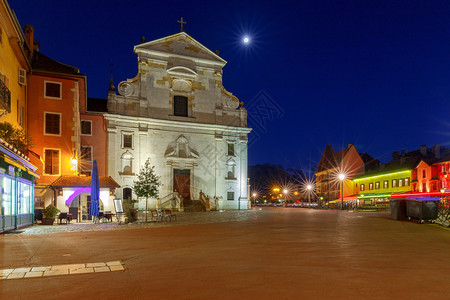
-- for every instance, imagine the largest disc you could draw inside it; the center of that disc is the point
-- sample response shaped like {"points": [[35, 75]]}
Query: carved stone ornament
{"points": [[181, 85], [125, 88]]}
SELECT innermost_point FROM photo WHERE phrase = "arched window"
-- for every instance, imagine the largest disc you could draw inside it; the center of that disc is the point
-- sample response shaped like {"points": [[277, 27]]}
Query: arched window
{"points": [[127, 163], [182, 147], [127, 193], [231, 166]]}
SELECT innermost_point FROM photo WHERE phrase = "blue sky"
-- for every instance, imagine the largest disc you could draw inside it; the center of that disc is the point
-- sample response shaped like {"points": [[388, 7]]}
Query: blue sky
{"points": [[373, 73]]}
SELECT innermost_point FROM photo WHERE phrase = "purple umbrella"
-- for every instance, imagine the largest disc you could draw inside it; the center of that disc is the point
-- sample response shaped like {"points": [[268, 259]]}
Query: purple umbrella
{"points": [[95, 192]]}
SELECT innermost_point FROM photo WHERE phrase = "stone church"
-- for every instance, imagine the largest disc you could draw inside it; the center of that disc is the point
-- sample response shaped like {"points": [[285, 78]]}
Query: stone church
{"points": [[177, 113]]}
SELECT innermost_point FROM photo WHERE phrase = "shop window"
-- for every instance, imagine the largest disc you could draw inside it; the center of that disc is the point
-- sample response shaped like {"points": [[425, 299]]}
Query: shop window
{"points": [[52, 90], [230, 196], [52, 123], [127, 193], [51, 158], [7, 195], [86, 127], [24, 200], [86, 153], [180, 106]]}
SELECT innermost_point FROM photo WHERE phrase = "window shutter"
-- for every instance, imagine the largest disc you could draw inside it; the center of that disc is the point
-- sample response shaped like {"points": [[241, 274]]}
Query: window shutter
{"points": [[22, 77], [55, 162]]}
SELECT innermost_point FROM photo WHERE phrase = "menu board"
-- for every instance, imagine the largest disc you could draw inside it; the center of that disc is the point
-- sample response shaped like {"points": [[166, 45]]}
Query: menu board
{"points": [[118, 205]]}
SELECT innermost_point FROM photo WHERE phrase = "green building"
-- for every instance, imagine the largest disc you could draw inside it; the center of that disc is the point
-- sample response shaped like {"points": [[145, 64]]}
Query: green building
{"points": [[17, 176]]}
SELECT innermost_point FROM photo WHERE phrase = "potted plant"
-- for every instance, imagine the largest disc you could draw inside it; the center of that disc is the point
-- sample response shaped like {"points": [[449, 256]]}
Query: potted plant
{"points": [[49, 213]]}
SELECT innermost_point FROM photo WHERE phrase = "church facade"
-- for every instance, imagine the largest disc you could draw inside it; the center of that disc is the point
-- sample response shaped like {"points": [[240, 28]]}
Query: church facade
{"points": [[177, 113]]}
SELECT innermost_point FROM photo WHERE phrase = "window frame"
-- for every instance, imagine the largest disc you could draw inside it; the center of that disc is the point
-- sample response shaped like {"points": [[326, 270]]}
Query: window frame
{"points": [[234, 149], [228, 196], [371, 186], [385, 184], [91, 152], [45, 161], [176, 99], [123, 140], [81, 127], [362, 187], [45, 90], [45, 123]]}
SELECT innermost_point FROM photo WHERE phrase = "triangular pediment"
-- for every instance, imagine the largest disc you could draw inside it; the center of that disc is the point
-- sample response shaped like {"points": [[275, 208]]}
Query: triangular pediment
{"points": [[180, 44]]}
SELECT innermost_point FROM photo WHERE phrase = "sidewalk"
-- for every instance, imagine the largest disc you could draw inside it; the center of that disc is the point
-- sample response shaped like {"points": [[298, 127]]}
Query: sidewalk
{"points": [[182, 219]]}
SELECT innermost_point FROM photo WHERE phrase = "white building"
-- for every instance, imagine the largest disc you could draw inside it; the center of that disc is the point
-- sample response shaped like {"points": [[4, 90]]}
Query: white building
{"points": [[177, 113]]}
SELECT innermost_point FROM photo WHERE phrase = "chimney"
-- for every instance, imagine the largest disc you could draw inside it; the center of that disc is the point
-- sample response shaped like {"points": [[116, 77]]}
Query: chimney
{"points": [[142, 39], [423, 150], [437, 151], [36, 46], [217, 52], [29, 37], [395, 156]]}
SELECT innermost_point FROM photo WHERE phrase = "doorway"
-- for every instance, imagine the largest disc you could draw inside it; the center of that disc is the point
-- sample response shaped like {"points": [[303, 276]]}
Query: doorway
{"points": [[182, 183]]}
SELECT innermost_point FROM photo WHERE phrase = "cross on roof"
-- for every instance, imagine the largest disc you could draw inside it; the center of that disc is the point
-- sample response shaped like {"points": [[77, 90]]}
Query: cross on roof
{"points": [[182, 23]]}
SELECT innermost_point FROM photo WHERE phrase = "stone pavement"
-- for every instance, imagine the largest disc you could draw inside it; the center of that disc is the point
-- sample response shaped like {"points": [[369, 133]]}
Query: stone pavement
{"points": [[275, 253], [182, 219]]}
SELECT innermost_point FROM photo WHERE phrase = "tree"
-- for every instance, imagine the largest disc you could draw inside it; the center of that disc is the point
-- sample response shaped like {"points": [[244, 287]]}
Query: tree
{"points": [[18, 138], [147, 184]]}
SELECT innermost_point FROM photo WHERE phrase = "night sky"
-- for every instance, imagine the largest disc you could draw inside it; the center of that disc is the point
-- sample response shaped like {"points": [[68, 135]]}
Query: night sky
{"points": [[373, 73]]}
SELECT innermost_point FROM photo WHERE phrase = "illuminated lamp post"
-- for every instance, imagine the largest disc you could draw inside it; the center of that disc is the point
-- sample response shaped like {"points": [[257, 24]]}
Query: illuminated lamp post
{"points": [[254, 199], [285, 196], [74, 163], [341, 178], [309, 187]]}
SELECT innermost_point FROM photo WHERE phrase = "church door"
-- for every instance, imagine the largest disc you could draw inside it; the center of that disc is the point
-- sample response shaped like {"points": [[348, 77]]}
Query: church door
{"points": [[182, 183]]}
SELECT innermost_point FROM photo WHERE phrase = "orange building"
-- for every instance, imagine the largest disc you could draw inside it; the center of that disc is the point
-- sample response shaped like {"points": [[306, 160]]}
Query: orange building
{"points": [[347, 162], [55, 91]]}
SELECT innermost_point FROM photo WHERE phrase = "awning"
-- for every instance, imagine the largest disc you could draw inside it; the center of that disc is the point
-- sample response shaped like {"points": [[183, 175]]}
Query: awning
{"points": [[84, 181], [424, 194]]}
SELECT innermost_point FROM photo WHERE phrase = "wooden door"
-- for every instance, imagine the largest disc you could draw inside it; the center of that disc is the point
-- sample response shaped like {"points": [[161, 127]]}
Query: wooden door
{"points": [[182, 183]]}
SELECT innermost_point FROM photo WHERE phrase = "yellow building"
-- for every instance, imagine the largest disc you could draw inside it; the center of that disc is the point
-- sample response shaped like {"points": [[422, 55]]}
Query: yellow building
{"points": [[14, 66], [375, 188]]}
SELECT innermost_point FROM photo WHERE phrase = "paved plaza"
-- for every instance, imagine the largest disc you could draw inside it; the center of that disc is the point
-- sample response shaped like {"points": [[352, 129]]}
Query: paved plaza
{"points": [[273, 253]]}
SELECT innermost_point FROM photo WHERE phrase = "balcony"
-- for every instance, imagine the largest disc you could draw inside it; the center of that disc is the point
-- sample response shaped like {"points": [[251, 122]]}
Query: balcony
{"points": [[5, 99]]}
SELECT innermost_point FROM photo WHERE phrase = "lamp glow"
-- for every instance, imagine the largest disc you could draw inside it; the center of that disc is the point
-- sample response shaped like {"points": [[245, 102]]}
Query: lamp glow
{"points": [[341, 176], [246, 39]]}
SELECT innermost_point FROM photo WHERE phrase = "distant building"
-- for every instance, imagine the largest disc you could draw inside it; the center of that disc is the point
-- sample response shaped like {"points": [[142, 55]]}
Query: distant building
{"points": [[348, 162], [177, 113]]}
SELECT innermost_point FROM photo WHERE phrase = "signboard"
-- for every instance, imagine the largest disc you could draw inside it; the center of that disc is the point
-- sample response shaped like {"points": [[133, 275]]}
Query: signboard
{"points": [[118, 205]]}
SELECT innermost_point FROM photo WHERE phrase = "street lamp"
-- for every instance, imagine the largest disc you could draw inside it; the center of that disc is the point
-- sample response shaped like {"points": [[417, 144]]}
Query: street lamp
{"points": [[285, 191], [309, 187], [254, 199], [341, 178]]}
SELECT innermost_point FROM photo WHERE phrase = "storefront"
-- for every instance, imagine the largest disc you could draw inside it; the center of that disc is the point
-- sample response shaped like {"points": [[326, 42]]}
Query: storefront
{"points": [[17, 178], [73, 195]]}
